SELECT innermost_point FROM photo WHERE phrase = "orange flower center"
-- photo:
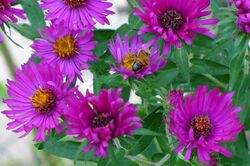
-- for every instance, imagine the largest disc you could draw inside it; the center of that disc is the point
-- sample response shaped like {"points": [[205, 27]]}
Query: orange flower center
{"points": [[201, 126], [65, 47], [171, 19], [44, 100], [75, 3]]}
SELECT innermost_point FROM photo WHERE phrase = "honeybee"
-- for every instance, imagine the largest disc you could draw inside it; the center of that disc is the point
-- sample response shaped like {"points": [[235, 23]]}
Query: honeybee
{"points": [[141, 60]]}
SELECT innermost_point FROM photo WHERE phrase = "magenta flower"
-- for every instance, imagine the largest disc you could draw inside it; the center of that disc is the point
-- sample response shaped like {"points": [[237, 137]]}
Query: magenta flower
{"points": [[243, 23], [203, 121], [174, 96], [173, 20], [77, 14], [133, 58], [69, 49], [99, 119], [8, 13], [36, 100], [243, 13]]}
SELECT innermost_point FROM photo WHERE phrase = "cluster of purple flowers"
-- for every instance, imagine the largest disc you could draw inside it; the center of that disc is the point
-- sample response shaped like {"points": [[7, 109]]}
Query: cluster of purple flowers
{"points": [[243, 20], [8, 13], [40, 98]]}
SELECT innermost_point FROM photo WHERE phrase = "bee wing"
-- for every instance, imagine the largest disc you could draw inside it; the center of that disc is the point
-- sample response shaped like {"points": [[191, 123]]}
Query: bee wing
{"points": [[143, 57]]}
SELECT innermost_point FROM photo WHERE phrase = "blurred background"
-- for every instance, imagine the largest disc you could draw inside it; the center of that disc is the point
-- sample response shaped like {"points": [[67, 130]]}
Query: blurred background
{"points": [[21, 152]]}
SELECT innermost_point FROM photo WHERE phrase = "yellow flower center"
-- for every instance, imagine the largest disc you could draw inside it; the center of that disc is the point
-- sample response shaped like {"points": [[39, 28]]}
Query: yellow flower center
{"points": [[75, 3], [129, 60], [44, 100], [201, 126], [65, 47]]}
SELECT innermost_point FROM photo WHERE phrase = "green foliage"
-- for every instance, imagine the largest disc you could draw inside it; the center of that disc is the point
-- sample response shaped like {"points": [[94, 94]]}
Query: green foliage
{"points": [[3, 92], [34, 13]]}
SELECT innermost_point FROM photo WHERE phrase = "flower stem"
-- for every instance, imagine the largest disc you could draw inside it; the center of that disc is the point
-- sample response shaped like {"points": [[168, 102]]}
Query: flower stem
{"points": [[8, 58], [215, 80], [140, 160], [135, 4], [246, 63], [163, 160]]}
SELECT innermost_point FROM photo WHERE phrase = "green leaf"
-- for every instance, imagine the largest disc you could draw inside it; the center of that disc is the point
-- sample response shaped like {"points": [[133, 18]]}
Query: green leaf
{"points": [[203, 66], [34, 13], [116, 157], [66, 148], [235, 69], [102, 37], [107, 82], [26, 30], [69, 150], [133, 3], [3, 92], [181, 58], [152, 122], [240, 151], [147, 87], [126, 93], [144, 131]]}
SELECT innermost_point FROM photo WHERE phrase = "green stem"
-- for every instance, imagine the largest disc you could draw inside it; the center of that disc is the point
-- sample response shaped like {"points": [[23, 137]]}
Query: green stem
{"points": [[215, 80], [8, 58], [135, 4], [146, 104], [163, 160], [158, 147], [246, 63], [140, 160]]}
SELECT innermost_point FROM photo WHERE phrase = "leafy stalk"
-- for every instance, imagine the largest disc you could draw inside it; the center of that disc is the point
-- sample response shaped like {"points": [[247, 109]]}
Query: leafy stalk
{"points": [[8, 58]]}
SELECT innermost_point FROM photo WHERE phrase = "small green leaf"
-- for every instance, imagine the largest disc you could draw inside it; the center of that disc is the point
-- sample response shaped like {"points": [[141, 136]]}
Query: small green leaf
{"points": [[3, 92], [34, 13], [102, 37], [26, 30], [181, 58]]}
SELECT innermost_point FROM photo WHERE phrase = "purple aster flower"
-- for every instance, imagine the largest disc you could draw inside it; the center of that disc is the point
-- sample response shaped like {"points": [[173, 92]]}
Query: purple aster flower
{"points": [[243, 13], [243, 23], [36, 100], [99, 119], [174, 96], [77, 14], [203, 121], [243, 6], [8, 13], [133, 58], [69, 49], [173, 20]]}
